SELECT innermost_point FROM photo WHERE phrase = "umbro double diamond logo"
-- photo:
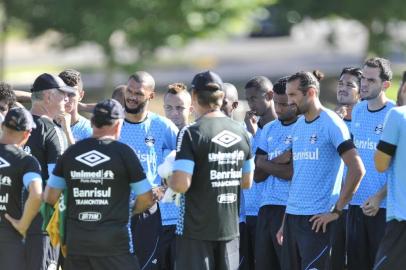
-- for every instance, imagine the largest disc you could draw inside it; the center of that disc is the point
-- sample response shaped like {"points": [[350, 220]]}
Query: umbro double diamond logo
{"points": [[3, 163], [92, 158], [226, 138]]}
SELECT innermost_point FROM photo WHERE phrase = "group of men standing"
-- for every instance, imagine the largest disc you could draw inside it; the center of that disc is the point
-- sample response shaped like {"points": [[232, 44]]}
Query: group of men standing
{"points": [[296, 186]]}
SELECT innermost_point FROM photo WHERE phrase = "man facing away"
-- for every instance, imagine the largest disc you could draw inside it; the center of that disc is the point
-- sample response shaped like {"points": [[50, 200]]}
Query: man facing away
{"points": [[213, 160], [98, 174]]}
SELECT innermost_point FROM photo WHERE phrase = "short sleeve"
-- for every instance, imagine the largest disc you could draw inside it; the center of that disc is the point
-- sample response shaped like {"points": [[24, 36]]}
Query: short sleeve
{"points": [[185, 156], [170, 136], [263, 140], [32, 170], [390, 133], [339, 135]]}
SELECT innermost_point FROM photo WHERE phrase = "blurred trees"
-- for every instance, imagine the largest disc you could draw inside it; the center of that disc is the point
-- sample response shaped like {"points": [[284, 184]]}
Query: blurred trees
{"points": [[143, 25], [379, 17]]}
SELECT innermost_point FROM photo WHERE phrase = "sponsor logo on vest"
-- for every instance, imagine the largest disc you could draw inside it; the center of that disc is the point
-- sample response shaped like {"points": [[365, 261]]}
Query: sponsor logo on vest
{"points": [[143, 157], [5, 181], [306, 155], [96, 177], [226, 158], [232, 174], [91, 193], [90, 216], [227, 198], [4, 198]]}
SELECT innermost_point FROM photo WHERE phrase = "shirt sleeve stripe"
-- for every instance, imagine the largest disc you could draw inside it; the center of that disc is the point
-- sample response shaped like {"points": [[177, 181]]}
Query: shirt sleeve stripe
{"points": [[141, 187], [56, 182], [386, 147], [29, 177], [184, 165], [248, 166], [345, 146]]}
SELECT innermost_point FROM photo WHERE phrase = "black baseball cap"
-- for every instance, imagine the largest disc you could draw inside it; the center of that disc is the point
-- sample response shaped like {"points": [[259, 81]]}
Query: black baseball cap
{"points": [[207, 81], [108, 109], [19, 119], [47, 81]]}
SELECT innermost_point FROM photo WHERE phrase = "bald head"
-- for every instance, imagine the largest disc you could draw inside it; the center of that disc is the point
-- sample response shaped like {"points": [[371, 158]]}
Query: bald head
{"points": [[144, 78], [230, 101]]}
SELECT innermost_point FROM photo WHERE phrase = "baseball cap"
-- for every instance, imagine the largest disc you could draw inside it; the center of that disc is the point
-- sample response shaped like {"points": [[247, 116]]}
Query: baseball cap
{"points": [[47, 81], [19, 119], [207, 81], [108, 109]]}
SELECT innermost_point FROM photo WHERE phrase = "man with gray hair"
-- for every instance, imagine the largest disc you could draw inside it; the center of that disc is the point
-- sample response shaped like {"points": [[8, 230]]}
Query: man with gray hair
{"points": [[47, 142]]}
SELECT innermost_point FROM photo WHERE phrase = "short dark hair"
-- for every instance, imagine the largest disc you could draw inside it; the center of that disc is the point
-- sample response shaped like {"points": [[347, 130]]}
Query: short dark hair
{"points": [[71, 77], [143, 77], [383, 65], [259, 83], [353, 71], [307, 80], [7, 94], [280, 86]]}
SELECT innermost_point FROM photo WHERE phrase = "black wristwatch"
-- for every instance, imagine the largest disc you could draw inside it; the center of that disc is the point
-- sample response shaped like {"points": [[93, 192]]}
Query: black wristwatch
{"points": [[336, 211]]}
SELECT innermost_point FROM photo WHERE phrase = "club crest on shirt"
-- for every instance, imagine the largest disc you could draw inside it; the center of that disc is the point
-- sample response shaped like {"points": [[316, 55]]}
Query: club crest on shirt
{"points": [[149, 140], [313, 139], [288, 139], [378, 129]]}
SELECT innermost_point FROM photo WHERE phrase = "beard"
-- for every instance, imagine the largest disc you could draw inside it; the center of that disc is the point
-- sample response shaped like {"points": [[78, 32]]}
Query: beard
{"points": [[137, 109]]}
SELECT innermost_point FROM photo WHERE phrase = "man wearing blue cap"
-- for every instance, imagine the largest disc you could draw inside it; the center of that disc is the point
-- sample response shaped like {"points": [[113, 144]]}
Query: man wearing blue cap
{"points": [[213, 161], [98, 174], [46, 143], [18, 170]]}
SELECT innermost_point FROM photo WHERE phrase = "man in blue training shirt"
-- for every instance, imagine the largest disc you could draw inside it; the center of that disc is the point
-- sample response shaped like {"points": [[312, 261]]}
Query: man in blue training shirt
{"points": [[276, 137], [320, 141], [259, 95], [152, 137], [366, 213], [391, 156]]}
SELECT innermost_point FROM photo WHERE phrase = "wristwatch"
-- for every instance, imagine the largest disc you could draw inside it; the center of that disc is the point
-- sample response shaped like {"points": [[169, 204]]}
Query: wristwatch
{"points": [[336, 211]]}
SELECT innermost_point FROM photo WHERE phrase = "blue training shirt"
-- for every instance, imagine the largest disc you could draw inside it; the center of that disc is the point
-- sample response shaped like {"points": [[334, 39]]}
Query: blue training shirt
{"points": [[317, 165], [366, 128], [151, 140], [252, 196], [276, 138], [394, 134], [82, 129]]}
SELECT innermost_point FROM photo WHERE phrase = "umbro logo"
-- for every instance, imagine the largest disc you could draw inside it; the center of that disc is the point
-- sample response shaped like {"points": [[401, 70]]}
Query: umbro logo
{"points": [[3, 163], [92, 158], [226, 139]]}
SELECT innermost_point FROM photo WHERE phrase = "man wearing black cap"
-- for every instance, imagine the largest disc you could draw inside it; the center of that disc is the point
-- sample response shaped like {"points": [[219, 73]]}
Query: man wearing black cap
{"points": [[98, 174], [47, 142], [213, 161], [17, 170]]}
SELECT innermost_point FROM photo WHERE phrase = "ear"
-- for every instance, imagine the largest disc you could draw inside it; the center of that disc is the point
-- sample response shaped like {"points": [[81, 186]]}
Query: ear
{"points": [[269, 95], [81, 95], [235, 105], [312, 92], [151, 95], [386, 84]]}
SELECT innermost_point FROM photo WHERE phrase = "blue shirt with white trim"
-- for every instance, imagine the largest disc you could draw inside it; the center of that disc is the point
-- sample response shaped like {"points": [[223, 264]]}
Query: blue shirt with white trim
{"points": [[317, 165], [82, 129], [366, 128]]}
